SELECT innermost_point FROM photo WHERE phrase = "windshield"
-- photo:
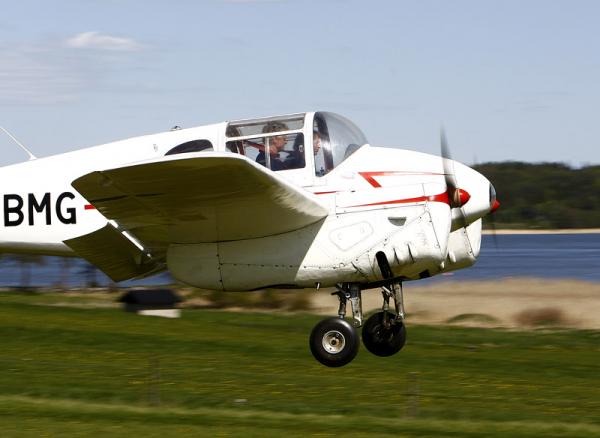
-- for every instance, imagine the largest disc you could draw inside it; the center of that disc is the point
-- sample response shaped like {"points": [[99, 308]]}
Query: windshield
{"points": [[275, 142], [338, 137]]}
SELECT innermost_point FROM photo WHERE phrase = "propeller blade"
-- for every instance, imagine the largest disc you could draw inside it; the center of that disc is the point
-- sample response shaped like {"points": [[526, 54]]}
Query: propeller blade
{"points": [[494, 205], [447, 161], [456, 196], [492, 223]]}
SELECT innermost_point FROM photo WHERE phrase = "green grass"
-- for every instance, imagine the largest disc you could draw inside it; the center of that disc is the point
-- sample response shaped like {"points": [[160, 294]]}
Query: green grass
{"points": [[69, 371]]}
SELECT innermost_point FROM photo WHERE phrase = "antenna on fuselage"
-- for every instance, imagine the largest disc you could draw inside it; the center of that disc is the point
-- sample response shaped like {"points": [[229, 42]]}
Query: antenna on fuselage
{"points": [[31, 156]]}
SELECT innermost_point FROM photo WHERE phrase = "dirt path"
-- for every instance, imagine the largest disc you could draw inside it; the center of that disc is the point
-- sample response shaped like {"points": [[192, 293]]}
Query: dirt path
{"points": [[506, 303]]}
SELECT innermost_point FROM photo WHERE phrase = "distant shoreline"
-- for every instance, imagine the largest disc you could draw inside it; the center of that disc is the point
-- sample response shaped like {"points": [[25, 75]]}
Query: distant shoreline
{"points": [[556, 231]]}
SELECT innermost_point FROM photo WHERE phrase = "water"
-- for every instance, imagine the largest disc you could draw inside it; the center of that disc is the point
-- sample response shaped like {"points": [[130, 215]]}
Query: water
{"points": [[62, 272], [569, 256]]}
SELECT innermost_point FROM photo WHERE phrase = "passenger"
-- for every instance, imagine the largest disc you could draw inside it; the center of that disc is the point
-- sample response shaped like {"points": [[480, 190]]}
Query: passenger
{"points": [[234, 146], [276, 145]]}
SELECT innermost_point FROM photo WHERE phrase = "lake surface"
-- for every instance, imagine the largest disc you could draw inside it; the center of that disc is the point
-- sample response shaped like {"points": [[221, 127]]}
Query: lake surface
{"points": [[572, 256]]}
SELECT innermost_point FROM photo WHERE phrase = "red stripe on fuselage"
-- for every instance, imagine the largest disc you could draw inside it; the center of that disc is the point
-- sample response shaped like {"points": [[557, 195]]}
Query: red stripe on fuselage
{"points": [[369, 176], [89, 207], [442, 197]]}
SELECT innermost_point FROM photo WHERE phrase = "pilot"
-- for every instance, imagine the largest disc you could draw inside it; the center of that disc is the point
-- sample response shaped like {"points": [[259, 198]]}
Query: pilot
{"points": [[295, 160], [276, 145], [316, 142]]}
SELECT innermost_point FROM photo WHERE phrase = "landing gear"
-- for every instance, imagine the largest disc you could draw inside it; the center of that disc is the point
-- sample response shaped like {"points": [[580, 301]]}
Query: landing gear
{"points": [[334, 342], [384, 334]]}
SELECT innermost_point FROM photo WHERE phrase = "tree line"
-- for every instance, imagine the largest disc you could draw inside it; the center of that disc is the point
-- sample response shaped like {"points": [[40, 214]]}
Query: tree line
{"points": [[544, 195]]}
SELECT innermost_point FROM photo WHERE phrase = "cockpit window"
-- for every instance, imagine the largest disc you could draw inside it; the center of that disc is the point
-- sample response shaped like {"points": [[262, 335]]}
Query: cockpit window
{"points": [[258, 126], [276, 143], [191, 146], [335, 138]]}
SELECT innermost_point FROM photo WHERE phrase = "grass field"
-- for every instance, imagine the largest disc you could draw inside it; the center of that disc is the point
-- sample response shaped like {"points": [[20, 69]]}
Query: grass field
{"points": [[70, 371]]}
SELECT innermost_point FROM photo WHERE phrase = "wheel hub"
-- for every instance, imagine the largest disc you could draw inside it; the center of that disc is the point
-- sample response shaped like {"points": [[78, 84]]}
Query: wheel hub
{"points": [[333, 341]]}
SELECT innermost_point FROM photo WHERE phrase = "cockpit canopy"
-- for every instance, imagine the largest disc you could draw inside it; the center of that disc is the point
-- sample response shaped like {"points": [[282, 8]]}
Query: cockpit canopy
{"points": [[279, 142], [339, 139]]}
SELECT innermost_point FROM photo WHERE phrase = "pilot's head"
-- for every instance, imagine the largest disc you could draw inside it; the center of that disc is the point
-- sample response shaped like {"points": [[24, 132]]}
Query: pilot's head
{"points": [[316, 142], [274, 126], [232, 131], [278, 142]]}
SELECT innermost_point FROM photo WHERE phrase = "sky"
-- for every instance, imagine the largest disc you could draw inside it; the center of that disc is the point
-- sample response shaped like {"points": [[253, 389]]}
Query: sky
{"points": [[509, 80]]}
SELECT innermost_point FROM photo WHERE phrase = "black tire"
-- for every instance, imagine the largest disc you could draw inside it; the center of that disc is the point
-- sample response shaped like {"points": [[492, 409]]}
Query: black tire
{"points": [[334, 342], [383, 341]]}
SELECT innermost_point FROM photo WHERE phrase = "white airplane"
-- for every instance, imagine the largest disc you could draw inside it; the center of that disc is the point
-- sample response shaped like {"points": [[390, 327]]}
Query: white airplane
{"points": [[293, 201]]}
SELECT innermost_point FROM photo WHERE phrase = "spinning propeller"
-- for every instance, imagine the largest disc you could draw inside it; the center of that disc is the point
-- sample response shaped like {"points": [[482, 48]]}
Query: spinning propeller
{"points": [[456, 196], [491, 216]]}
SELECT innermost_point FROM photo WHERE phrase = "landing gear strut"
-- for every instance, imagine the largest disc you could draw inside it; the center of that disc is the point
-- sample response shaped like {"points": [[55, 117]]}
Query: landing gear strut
{"points": [[384, 333]]}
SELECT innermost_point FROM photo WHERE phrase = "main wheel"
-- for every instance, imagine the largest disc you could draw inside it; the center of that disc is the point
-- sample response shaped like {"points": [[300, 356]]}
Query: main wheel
{"points": [[334, 342], [381, 339]]}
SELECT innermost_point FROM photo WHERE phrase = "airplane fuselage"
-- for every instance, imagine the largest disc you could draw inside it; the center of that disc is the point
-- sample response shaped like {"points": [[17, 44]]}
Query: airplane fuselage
{"points": [[380, 200]]}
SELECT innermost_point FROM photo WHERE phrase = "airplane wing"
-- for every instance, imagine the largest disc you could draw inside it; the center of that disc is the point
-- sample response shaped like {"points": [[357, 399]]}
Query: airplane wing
{"points": [[197, 197]]}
